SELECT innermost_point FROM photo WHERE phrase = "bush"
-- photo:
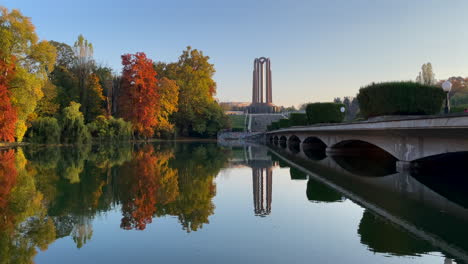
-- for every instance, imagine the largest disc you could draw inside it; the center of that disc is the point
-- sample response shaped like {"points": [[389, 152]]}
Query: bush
{"points": [[283, 123], [44, 130], [110, 129], [400, 98], [298, 119], [324, 113]]}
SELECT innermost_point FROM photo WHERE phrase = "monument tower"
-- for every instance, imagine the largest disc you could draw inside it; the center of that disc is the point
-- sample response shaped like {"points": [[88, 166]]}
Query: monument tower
{"points": [[262, 97]]}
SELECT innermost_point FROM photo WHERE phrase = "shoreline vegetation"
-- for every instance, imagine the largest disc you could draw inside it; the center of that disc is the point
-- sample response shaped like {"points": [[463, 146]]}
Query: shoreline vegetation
{"points": [[55, 93]]}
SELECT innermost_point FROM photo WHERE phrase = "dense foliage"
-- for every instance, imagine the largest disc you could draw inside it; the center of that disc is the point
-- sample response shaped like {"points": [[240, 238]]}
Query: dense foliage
{"points": [[199, 114], [298, 119], [110, 129], [324, 113], [41, 79], [400, 98], [74, 130], [44, 130]]}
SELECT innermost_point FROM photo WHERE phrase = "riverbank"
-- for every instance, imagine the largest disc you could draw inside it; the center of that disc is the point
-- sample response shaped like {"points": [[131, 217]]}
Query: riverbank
{"points": [[7, 145]]}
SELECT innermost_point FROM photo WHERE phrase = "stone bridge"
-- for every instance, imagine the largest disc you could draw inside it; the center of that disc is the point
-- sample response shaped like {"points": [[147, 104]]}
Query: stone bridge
{"points": [[406, 140]]}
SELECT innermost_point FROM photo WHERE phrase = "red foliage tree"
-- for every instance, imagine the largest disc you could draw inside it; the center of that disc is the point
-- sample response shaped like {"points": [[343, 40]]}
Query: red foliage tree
{"points": [[140, 205], [8, 115], [139, 97]]}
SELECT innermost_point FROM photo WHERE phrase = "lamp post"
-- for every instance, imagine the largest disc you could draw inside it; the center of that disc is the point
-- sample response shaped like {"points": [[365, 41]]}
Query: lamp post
{"points": [[447, 86]]}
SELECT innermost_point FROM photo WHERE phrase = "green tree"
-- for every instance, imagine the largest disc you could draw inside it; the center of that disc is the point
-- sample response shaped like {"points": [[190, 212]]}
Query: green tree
{"points": [[74, 130]]}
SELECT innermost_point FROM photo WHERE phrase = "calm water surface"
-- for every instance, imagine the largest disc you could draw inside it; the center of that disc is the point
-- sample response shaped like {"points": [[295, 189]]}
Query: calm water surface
{"points": [[203, 203]]}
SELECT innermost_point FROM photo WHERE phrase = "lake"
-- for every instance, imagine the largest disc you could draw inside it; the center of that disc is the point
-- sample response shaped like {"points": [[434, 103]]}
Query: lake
{"points": [[176, 202]]}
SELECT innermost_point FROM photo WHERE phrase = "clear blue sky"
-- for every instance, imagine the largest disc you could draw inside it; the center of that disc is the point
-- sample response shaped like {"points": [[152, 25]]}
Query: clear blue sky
{"points": [[318, 49]]}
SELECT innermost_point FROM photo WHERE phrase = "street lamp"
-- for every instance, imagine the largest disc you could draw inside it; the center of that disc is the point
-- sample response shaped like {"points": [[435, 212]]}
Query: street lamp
{"points": [[447, 86]]}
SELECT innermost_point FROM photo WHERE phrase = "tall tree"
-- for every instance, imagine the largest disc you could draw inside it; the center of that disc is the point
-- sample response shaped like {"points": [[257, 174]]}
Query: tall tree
{"points": [[34, 60], [139, 95], [426, 75], [83, 66]]}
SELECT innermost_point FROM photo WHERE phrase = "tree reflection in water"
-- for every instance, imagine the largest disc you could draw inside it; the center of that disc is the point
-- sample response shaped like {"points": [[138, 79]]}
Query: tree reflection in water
{"points": [[54, 192]]}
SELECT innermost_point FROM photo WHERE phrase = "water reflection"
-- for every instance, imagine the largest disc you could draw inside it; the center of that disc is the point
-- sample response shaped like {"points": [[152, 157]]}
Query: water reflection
{"points": [[384, 237], [427, 208], [320, 192], [51, 193], [262, 190]]}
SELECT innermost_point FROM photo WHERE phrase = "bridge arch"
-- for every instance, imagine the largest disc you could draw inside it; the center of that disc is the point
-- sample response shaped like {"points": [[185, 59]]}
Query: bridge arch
{"points": [[282, 141], [363, 158], [359, 147], [294, 144], [275, 140], [314, 148]]}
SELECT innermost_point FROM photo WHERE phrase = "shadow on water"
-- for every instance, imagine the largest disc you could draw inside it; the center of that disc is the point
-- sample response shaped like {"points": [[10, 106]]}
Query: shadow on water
{"points": [[445, 174]]}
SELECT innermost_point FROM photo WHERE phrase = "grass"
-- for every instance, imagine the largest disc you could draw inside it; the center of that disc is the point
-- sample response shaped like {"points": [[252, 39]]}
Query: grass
{"points": [[237, 121]]}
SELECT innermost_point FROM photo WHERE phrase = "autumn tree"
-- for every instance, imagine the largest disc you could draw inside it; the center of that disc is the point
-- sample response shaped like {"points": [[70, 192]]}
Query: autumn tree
{"points": [[8, 116], [34, 60], [48, 105], [168, 104], [198, 112], [139, 97], [96, 99]]}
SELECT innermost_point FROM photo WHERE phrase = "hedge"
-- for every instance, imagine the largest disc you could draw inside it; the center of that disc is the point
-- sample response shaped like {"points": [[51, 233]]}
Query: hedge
{"points": [[298, 119], [283, 123], [324, 113], [400, 98]]}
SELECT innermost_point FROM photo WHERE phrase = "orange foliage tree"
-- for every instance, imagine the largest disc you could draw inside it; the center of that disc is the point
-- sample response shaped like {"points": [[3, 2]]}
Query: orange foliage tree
{"points": [[8, 115], [140, 205], [139, 97], [149, 182]]}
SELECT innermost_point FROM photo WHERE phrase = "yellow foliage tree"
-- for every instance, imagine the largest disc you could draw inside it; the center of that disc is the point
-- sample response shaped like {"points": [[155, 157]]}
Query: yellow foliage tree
{"points": [[34, 60]]}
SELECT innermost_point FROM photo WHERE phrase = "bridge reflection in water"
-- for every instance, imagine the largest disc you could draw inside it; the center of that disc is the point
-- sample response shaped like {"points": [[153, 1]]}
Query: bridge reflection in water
{"points": [[406, 213]]}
